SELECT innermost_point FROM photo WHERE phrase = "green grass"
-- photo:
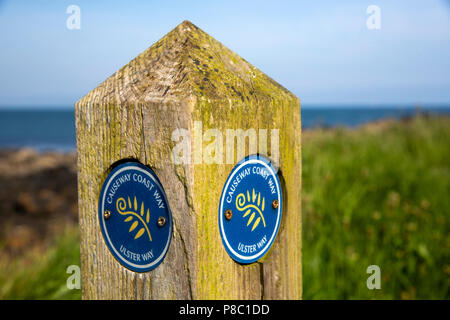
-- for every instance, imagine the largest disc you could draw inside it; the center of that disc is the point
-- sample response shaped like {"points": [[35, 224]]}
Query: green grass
{"points": [[369, 197], [377, 197], [42, 276]]}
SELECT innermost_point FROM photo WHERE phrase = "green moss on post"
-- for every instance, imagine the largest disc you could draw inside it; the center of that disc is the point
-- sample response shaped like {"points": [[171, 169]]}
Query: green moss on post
{"points": [[187, 76]]}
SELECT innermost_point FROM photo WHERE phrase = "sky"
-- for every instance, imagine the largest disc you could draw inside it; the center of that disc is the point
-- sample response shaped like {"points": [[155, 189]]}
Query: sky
{"points": [[322, 51]]}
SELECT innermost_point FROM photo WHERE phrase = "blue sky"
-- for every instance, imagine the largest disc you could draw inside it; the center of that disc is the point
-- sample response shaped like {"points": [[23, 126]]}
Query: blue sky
{"points": [[320, 50]]}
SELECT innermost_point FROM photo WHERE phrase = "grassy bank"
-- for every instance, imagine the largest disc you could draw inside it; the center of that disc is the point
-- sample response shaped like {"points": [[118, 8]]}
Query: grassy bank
{"points": [[42, 274], [377, 195]]}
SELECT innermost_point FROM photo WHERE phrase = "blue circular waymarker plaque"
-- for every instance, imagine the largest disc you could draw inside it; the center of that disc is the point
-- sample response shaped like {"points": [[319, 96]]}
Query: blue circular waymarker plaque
{"points": [[134, 217], [250, 209]]}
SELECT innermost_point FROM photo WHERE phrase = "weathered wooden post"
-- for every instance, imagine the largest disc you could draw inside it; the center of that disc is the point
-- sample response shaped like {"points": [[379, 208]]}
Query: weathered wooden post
{"points": [[189, 86]]}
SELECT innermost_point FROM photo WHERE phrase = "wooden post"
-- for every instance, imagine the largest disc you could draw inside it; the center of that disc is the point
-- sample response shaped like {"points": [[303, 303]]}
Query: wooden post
{"points": [[188, 80]]}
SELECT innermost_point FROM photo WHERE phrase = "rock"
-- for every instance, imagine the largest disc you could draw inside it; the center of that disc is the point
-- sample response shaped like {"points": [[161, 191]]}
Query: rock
{"points": [[23, 155], [38, 197], [26, 203]]}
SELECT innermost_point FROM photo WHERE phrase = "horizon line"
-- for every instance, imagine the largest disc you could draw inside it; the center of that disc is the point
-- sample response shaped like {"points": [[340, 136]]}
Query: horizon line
{"points": [[66, 107]]}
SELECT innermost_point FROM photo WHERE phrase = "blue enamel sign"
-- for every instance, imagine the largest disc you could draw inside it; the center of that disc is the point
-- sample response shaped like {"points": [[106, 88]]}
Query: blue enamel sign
{"points": [[134, 217], [250, 209]]}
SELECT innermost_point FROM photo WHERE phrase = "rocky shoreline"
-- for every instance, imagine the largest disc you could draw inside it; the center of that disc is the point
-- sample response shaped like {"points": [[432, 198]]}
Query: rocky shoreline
{"points": [[38, 197]]}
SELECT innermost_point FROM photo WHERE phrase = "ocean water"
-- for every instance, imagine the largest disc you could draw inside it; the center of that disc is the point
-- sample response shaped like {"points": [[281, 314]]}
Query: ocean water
{"points": [[40, 129], [55, 129]]}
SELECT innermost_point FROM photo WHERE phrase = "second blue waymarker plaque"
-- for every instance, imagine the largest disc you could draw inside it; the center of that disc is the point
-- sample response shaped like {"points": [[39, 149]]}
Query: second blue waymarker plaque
{"points": [[250, 209]]}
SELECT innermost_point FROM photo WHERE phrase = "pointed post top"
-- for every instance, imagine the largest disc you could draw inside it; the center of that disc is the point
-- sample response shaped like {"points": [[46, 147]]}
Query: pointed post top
{"points": [[187, 24], [186, 62]]}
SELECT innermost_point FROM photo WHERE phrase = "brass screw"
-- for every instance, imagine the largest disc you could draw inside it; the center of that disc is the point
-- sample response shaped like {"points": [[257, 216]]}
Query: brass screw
{"points": [[107, 214], [161, 221], [275, 204], [228, 214]]}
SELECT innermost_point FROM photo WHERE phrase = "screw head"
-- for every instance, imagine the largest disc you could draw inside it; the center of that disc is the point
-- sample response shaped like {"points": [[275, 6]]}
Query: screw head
{"points": [[161, 221], [107, 214], [275, 204], [228, 214]]}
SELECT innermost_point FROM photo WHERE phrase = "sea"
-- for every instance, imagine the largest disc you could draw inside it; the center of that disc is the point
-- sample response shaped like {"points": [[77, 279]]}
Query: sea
{"points": [[54, 129]]}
